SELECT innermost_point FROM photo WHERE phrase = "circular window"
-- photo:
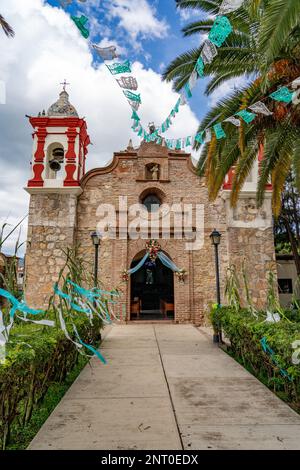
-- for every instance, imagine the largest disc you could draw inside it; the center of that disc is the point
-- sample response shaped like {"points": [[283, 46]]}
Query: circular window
{"points": [[152, 202]]}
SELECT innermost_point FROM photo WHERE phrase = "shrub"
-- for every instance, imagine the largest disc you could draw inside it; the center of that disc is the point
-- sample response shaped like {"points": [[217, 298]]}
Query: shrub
{"points": [[35, 358], [245, 333]]}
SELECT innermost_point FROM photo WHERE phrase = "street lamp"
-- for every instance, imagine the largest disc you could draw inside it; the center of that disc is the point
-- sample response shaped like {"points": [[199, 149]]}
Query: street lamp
{"points": [[96, 239], [215, 237]]}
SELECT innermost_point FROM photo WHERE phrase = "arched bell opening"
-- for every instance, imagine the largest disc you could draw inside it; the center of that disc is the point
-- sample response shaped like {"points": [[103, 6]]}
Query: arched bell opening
{"points": [[55, 162], [151, 290]]}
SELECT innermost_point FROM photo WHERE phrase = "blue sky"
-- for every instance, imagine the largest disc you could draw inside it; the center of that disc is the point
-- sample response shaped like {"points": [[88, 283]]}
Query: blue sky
{"points": [[154, 50]]}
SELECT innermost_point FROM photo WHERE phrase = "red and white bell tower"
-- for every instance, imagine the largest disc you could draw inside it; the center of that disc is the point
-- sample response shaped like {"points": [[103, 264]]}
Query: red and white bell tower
{"points": [[60, 147], [60, 143]]}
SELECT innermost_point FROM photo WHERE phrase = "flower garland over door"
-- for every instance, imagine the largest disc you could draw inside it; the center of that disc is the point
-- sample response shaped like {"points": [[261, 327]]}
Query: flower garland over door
{"points": [[153, 251]]}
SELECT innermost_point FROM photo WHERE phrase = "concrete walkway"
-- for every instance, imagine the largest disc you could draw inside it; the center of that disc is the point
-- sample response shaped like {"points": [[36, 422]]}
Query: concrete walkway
{"points": [[167, 387]]}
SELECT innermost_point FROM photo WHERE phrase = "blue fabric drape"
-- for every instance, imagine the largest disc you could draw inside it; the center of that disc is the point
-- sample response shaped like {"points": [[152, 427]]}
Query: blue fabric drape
{"points": [[167, 262], [139, 265]]}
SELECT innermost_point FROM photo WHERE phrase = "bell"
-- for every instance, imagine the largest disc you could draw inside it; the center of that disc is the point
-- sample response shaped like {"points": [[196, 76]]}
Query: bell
{"points": [[55, 165]]}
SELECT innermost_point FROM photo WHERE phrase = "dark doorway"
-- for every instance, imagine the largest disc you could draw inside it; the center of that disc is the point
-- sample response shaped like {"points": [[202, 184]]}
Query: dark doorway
{"points": [[152, 292]]}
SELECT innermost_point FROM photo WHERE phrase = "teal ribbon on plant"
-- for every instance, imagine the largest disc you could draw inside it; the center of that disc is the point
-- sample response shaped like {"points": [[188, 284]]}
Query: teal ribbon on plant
{"points": [[67, 297], [220, 31], [80, 23], [220, 134], [117, 68], [18, 306], [132, 96], [268, 350], [282, 94], [246, 116]]}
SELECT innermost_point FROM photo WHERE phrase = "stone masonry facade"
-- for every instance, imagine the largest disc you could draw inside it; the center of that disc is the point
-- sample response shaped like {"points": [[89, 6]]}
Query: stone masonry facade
{"points": [[64, 219]]}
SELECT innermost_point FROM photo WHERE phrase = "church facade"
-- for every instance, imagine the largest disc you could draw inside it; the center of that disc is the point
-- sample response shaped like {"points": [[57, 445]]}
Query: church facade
{"points": [[146, 193]]}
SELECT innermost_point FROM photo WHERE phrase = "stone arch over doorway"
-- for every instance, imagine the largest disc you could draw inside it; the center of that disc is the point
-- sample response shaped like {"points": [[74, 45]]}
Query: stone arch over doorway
{"points": [[151, 291]]}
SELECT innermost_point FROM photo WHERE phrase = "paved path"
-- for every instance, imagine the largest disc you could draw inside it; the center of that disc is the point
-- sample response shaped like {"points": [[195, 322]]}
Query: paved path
{"points": [[167, 387]]}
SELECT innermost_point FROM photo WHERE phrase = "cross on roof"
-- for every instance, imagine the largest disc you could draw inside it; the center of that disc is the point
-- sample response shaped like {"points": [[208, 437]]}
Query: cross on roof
{"points": [[64, 83]]}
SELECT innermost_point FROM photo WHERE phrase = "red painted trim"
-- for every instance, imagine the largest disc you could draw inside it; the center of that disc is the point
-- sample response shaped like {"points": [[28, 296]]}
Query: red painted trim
{"points": [[39, 156], [73, 162], [71, 158], [230, 176]]}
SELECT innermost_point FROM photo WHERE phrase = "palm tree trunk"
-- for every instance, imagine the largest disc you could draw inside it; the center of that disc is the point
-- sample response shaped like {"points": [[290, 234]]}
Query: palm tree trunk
{"points": [[293, 243]]}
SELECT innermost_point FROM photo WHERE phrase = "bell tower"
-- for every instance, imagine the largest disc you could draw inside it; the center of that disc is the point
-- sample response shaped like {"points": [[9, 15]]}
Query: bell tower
{"points": [[60, 147]]}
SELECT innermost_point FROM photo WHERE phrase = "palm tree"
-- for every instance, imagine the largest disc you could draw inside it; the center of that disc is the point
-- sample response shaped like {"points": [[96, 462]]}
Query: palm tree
{"points": [[249, 51], [6, 27]]}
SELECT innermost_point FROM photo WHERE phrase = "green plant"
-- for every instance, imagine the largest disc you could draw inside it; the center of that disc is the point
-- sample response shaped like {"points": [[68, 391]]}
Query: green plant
{"points": [[245, 332], [232, 288]]}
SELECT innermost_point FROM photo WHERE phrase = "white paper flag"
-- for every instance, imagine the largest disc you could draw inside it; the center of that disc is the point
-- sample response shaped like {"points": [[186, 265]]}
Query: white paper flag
{"points": [[130, 83], [193, 79], [236, 122], [296, 83], [182, 98], [260, 108], [207, 137], [209, 52], [230, 5]]}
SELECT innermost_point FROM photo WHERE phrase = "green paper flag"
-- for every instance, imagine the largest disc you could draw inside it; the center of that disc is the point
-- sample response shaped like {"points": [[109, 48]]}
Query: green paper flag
{"points": [[199, 137], [200, 67], [132, 96], [220, 31], [282, 94], [117, 68], [246, 116], [80, 23], [140, 133], [135, 116], [176, 109], [178, 144], [220, 134], [188, 90], [188, 141]]}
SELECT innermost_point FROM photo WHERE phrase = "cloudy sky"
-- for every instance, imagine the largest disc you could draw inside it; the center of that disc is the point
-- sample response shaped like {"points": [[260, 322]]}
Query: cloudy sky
{"points": [[48, 48]]}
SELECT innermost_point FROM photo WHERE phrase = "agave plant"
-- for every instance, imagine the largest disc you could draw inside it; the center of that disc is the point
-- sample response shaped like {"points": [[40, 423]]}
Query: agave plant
{"points": [[8, 30]]}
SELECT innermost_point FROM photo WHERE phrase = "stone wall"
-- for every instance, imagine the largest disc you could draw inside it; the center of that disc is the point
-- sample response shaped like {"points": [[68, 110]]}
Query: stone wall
{"points": [[251, 241], [58, 221], [51, 230], [178, 184]]}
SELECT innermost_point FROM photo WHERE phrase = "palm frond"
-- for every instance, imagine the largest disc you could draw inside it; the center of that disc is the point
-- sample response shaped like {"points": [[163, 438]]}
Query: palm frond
{"points": [[280, 18], [8, 30]]}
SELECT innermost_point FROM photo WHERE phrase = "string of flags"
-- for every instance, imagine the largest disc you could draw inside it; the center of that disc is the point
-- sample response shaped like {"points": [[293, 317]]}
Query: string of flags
{"points": [[220, 30], [282, 94]]}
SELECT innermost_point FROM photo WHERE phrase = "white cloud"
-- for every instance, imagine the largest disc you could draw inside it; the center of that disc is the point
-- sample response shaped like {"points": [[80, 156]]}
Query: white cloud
{"points": [[47, 49], [223, 90], [138, 18]]}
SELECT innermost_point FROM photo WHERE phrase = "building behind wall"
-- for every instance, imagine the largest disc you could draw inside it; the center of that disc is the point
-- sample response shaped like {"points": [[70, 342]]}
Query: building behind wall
{"points": [[65, 207]]}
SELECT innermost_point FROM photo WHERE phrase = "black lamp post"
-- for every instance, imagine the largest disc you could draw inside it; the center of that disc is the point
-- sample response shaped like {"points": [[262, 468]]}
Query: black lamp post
{"points": [[215, 237], [96, 239]]}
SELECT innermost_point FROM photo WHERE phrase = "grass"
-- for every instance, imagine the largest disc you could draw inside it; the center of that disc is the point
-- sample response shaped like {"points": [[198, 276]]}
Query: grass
{"points": [[21, 436]]}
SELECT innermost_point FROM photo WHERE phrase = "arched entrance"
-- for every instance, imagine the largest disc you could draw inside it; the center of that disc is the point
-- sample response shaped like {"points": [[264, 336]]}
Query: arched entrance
{"points": [[152, 291]]}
